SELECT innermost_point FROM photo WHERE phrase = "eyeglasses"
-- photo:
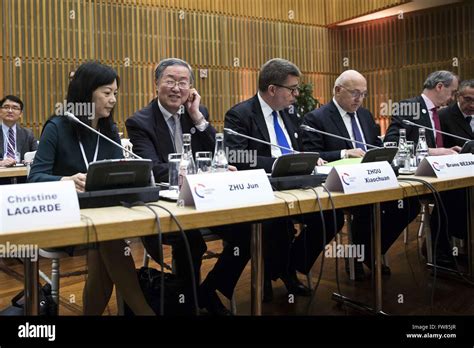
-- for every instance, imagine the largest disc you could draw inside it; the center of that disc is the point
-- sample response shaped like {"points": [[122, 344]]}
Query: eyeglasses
{"points": [[11, 107], [293, 90], [467, 99], [356, 93], [173, 83]]}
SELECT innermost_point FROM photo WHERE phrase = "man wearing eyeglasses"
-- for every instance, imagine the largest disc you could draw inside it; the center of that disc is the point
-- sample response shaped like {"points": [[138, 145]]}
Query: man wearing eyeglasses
{"points": [[458, 118], [15, 141], [344, 116], [156, 131], [271, 116], [439, 89]]}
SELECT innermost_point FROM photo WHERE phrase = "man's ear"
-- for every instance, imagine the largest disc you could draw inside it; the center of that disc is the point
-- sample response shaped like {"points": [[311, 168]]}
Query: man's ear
{"points": [[271, 90]]}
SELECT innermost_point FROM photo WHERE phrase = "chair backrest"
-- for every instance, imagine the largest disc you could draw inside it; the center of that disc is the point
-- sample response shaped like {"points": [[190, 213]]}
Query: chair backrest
{"points": [[28, 158]]}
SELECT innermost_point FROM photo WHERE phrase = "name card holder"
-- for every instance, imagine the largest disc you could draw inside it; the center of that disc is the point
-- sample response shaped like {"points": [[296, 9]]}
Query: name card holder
{"points": [[226, 189], [47, 204], [363, 177], [447, 166]]}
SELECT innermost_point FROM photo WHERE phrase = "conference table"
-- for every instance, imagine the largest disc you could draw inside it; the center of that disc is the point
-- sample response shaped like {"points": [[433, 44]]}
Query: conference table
{"points": [[13, 172], [117, 222]]}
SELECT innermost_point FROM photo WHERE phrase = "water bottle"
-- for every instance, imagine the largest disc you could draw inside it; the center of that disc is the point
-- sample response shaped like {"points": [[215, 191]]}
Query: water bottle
{"points": [[403, 155], [421, 147], [187, 164], [219, 162]]}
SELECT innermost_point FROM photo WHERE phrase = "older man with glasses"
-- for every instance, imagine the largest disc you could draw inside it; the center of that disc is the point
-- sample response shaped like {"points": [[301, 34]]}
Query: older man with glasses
{"points": [[156, 131], [344, 116]]}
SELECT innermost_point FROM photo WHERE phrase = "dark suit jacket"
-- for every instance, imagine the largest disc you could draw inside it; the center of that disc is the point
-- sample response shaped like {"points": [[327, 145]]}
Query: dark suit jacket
{"points": [[328, 119], [25, 141], [247, 118], [423, 119], [59, 153], [452, 121], [151, 138]]}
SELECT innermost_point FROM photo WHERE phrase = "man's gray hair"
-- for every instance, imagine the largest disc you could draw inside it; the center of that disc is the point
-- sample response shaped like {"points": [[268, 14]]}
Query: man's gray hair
{"points": [[275, 72], [171, 62], [443, 76]]}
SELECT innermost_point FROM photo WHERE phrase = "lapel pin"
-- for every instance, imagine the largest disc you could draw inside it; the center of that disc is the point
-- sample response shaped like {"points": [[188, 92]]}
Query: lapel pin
{"points": [[192, 130]]}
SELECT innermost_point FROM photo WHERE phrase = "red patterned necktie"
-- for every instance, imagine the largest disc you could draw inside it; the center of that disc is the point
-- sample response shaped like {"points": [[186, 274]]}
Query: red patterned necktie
{"points": [[438, 136]]}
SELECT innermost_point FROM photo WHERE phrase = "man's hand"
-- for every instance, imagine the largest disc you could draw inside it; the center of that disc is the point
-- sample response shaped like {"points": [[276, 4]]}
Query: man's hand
{"points": [[192, 105], [355, 153], [8, 162], [79, 180], [440, 151], [232, 168], [321, 162], [456, 148]]}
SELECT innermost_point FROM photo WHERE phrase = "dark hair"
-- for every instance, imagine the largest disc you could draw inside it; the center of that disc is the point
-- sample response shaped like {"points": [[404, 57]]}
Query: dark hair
{"points": [[171, 62], [276, 71], [87, 78], [13, 99], [466, 84]]}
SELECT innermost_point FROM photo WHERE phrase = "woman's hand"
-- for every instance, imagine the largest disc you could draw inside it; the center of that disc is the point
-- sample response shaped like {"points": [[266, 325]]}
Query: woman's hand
{"points": [[79, 181]]}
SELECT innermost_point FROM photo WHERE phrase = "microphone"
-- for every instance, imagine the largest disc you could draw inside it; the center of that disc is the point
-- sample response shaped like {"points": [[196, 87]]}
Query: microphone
{"points": [[409, 123], [314, 130], [233, 132], [73, 118]]}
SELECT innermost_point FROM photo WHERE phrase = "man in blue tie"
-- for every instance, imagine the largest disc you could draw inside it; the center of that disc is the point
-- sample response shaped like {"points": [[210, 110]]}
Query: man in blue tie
{"points": [[344, 116], [271, 116]]}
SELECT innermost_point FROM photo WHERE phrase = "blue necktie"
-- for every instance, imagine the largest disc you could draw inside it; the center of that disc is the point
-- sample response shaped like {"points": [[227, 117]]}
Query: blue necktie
{"points": [[281, 139], [356, 131]]}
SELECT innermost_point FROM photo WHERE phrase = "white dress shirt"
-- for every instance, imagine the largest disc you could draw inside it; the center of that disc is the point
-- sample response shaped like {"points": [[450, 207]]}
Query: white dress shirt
{"points": [[267, 114], [346, 118]]}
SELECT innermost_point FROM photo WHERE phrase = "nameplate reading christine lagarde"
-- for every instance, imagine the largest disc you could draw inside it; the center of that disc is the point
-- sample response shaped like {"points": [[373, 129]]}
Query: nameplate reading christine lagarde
{"points": [[31, 206]]}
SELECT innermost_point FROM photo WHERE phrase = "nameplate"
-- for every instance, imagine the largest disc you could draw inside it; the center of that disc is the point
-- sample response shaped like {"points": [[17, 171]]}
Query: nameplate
{"points": [[447, 166], [363, 177], [226, 189], [29, 206]]}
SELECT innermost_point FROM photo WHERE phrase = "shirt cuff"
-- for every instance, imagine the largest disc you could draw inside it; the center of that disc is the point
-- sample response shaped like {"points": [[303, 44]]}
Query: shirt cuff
{"points": [[343, 154], [202, 126]]}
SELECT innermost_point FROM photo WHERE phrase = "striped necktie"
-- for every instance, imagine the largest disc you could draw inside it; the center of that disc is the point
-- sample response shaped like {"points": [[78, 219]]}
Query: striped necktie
{"points": [[11, 144]]}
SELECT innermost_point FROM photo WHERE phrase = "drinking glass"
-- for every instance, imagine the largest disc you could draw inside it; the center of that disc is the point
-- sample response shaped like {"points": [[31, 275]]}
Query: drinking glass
{"points": [[204, 161], [173, 174]]}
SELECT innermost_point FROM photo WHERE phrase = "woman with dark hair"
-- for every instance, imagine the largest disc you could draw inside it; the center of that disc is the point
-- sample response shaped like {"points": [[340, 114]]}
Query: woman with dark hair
{"points": [[64, 153]]}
